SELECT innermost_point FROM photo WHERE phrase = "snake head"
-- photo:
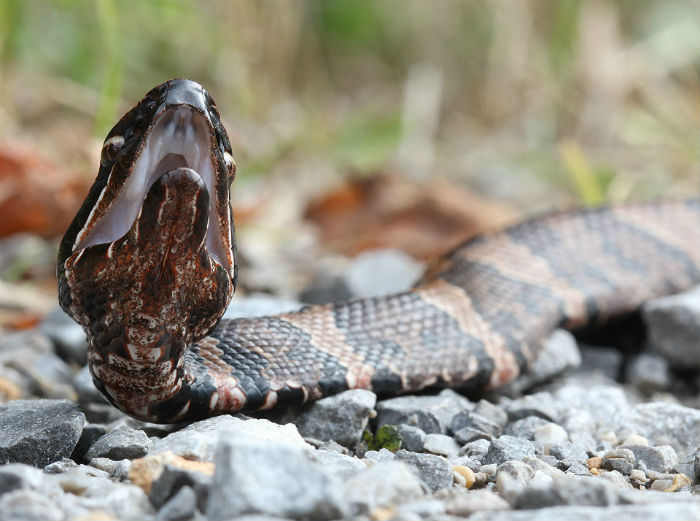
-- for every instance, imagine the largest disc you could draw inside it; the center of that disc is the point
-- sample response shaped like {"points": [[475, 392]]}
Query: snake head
{"points": [[156, 229]]}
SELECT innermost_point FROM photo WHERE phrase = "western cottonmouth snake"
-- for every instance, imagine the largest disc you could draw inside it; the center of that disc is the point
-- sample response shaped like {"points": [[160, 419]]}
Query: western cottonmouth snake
{"points": [[148, 266]]}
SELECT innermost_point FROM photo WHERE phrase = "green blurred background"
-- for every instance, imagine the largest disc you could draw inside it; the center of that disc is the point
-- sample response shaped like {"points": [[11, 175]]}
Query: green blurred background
{"points": [[532, 102]]}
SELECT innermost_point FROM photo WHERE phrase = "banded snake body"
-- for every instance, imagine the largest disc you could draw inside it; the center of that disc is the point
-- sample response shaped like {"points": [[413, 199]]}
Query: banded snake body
{"points": [[148, 267]]}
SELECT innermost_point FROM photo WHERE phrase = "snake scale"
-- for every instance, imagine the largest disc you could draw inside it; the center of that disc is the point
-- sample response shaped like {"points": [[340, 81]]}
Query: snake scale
{"points": [[148, 266]]}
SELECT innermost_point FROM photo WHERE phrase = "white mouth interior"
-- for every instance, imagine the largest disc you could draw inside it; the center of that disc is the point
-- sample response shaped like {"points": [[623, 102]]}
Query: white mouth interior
{"points": [[179, 138]]}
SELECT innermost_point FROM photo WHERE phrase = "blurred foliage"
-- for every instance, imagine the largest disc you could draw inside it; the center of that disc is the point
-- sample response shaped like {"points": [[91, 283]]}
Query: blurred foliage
{"points": [[535, 101]]}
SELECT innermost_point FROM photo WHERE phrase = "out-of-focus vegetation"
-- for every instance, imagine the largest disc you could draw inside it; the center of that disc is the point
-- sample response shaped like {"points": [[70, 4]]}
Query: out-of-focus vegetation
{"points": [[530, 101]]}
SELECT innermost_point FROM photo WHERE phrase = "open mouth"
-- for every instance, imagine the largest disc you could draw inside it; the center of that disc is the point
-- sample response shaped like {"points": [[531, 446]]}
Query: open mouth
{"points": [[179, 138]]}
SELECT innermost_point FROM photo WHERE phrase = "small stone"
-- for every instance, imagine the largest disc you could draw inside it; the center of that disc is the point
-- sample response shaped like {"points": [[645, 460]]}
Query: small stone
{"points": [[122, 443], [466, 473], [379, 456], [476, 501], [638, 475], [38, 432], [91, 433], [595, 462], [568, 453], [480, 479], [661, 459], [274, 479], [145, 472], [600, 402], [441, 444], [412, 438], [512, 477], [342, 417], [491, 412], [476, 449], [435, 471], [382, 485], [648, 373], [538, 465], [672, 324], [549, 435], [661, 484], [432, 414], [635, 439], [59, 467], [680, 481], [526, 427], [621, 465], [580, 469], [28, 505], [469, 425], [174, 477], [620, 453], [540, 404], [180, 507], [616, 477], [489, 470], [338, 464], [507, 448]]}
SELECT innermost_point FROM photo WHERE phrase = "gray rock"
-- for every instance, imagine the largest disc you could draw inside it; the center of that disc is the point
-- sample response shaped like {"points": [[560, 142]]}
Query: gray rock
{"points": [[277, 479], [663, 424], [476, 449], [59, 467], [494, 413], [469, 426], [198, 440], [568, 491], [620, 453], [122, 443], [507, 448], [379, 456], [568, 453], [441, 444], [91, 433], [85, 388], [540, 404], [181, 507], [28, 505], [432, 414], [659, 459], [526, 427], [435, 471], [512, 477], [648, 373], [549, 435], [338, 464], [382, 485], [342, 417], [412, 438], [669, 510], [601, 402], [38, 432], [174, 478], [673, 327], [466, 461], [67, 336], [381, 272], [599, 360], [559, 354], [621, 465]]}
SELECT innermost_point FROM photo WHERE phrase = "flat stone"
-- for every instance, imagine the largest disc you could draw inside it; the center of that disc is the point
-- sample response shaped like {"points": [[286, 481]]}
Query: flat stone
{"points": [[469, 425], [494, 413], [38, 432], [559, 354], [435, 471], [276, 479], [673, 328], [198, 440], [663, 424], [661, 459], [507, 448], [91, 433], [620, 453], [441, 444], [432, 414], [122, 443], [412, 438], [648, 373], [621, 465], [341, 418], [381, 486]]}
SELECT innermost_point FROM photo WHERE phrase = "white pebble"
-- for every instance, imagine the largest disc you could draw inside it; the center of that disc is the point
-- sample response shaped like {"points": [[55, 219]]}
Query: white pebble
{"points": [[550, 435]]}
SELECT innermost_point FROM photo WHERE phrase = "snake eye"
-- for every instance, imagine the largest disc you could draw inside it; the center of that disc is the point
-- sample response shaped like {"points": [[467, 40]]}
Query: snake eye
{"points": [[110, 148], [228, 159]]}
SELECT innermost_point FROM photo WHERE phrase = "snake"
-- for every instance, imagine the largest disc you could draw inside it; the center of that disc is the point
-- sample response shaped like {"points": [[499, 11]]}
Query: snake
{"points": [[148, 267]]}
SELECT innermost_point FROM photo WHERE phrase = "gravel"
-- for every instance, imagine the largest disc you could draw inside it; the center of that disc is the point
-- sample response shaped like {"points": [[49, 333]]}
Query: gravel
{"points": [[562, 446]]}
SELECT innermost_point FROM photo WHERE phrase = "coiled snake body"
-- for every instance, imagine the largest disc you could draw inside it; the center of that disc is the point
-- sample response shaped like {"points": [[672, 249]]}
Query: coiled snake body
{"points": [[148, 266]]}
